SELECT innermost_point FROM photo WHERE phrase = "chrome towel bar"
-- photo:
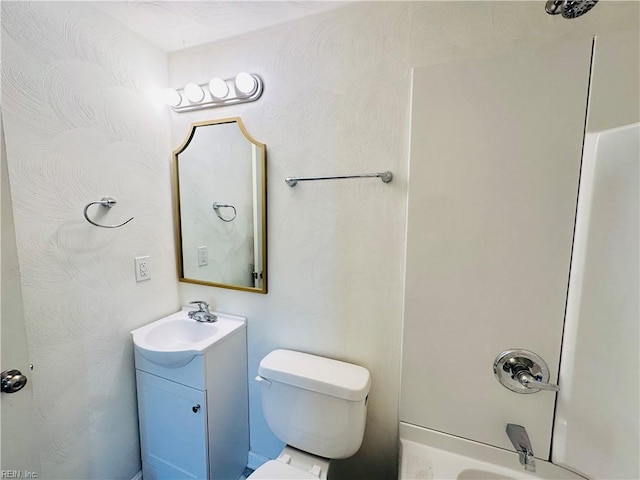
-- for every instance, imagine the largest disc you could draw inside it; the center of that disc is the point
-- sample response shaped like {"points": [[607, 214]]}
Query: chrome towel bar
{"points": [[106, 202], [386, 177]]}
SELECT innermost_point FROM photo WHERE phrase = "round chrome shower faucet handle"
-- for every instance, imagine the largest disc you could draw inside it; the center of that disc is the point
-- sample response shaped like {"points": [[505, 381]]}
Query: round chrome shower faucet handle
{"points": [[522, 371]]}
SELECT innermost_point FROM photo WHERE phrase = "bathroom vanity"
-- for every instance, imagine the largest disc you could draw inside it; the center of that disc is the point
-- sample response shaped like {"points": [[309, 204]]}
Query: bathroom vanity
{"points": [[192, 397]]}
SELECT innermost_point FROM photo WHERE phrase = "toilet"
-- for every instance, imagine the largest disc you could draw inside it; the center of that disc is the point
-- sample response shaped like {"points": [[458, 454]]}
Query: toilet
{"points": [[317, 406]]}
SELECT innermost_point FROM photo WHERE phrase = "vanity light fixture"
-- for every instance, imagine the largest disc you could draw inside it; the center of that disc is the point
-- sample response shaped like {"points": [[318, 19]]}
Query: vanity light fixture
{"points": [[244, 87]]}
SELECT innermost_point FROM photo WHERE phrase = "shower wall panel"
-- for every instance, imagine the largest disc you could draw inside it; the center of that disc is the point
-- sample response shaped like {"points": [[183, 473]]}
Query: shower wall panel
{"points": [[615, 95], [597, 423], [495, 162], [598, 412]]}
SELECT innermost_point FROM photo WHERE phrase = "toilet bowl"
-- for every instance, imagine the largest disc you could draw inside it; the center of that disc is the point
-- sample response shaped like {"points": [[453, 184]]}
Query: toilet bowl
{"points": [[317, 406]]}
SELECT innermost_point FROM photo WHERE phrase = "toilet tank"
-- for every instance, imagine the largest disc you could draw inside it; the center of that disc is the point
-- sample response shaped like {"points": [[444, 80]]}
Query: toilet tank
{"points": [[315, 404]]}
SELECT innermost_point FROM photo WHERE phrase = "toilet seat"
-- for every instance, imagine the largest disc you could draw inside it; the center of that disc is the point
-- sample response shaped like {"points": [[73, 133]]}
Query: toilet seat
{"points": [[276, 470], [293, 464]]}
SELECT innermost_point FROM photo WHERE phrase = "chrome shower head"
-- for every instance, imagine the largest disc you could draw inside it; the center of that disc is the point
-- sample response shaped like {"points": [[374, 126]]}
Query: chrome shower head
{"points": [[569, 8]]}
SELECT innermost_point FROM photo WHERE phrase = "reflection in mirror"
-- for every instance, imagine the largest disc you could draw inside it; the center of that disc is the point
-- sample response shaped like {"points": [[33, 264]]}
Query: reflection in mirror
{"points": [[220, 207]]}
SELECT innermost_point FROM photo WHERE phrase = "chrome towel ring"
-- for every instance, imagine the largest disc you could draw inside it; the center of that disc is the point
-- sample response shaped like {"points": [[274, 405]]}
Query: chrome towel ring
{"points": [[217, 206], [106, 202]]}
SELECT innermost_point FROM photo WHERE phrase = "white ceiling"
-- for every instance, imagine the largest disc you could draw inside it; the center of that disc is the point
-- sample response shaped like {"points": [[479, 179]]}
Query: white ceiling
{"points": [[176, 25]]}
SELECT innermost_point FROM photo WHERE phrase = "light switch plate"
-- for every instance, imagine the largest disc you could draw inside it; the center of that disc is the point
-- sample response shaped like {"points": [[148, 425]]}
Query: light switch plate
{"points": [[203, 256]]}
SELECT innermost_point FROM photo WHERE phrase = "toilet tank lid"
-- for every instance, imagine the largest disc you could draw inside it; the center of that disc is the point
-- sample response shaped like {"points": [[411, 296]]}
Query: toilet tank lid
{"points": [[318, 374]]}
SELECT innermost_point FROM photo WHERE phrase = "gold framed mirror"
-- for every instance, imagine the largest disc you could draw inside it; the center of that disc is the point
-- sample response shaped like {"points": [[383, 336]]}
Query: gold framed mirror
{"points": [[220, 206]]}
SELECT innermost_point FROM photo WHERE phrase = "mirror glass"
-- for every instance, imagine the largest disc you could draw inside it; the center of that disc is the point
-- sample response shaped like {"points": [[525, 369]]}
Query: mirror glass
{"points": [[220, 207]]}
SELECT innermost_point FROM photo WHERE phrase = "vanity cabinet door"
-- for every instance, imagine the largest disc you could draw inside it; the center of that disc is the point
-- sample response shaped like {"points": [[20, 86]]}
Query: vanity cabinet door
{"points": [[173, 429]]}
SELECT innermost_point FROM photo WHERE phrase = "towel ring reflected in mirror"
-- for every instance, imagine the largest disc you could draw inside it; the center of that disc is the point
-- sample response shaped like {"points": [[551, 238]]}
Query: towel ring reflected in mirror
{"points": [[216, 208]]}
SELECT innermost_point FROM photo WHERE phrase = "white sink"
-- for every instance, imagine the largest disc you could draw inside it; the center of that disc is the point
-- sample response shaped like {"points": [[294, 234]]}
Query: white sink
{"points": [[173, 341]]}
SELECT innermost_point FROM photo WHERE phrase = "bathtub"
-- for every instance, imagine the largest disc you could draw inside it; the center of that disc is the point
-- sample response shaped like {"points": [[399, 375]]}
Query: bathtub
{"points": [[429, 455]]}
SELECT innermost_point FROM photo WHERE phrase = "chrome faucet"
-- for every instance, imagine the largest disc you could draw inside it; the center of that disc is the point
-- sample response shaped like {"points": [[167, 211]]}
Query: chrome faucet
{"points": [[202, 314], [518, 436]]}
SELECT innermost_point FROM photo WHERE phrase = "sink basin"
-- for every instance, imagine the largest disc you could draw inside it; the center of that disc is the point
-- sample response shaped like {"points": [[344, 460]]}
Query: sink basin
{"points": [[173, 341]]}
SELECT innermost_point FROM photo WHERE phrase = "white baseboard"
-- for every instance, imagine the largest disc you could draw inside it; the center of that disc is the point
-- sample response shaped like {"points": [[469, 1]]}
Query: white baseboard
{"points": [[254, 460], [137, 476]]}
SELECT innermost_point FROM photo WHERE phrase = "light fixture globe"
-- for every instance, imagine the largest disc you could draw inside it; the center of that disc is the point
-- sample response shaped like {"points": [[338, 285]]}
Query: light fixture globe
{"points": [[245, 84], [218, 88], [194, 92], [171, 97]]}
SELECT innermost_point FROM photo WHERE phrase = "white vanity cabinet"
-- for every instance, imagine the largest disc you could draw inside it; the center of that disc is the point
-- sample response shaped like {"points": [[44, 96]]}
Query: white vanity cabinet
{"points": [[193, 417]]}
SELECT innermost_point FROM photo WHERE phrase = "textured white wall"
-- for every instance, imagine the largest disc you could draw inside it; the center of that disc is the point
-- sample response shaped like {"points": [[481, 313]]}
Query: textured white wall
{"points": [[336, 101], [335, 248], [79, 125]]}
